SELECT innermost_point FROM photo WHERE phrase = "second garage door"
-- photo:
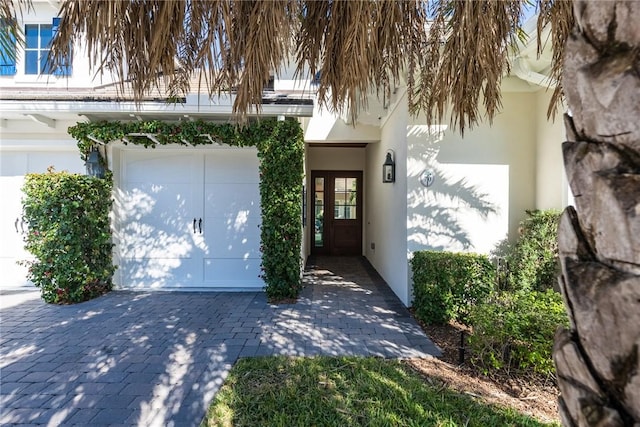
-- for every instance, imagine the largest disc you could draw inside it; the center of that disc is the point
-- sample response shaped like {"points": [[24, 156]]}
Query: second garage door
{"points": [[189, 219]]}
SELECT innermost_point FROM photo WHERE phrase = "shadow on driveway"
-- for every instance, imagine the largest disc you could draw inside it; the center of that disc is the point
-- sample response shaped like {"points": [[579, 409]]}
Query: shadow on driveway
{"points": [[158, 358]]}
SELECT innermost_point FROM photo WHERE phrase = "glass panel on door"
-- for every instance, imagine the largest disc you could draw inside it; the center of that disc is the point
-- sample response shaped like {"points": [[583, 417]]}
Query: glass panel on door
{"points": [[345, 196], [318, 217]]}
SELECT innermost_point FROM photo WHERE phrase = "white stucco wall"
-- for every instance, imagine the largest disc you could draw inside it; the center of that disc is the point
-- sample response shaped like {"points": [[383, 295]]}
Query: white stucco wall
{"points": [[551, 182], [339, 158], [386, 205], [483, 183], [327, 127]]}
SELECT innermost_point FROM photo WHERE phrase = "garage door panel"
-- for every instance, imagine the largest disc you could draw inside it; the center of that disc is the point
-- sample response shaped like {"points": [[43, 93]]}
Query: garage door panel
{"points": [[240, 273], [229, 200], [170, 200], [231, 242], [144, 166], [239, 165], [157, 273], [13, 164], [14, 275], [158, 232]]}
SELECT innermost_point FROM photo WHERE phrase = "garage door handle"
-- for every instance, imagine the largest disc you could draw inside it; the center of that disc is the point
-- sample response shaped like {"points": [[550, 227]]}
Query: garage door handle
{"points": [[200, 225], [194, 226], [20, 221]]}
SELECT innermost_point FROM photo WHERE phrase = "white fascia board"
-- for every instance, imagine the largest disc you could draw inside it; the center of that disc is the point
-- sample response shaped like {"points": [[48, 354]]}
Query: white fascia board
{"points": [[50, 108], [32, 144]]}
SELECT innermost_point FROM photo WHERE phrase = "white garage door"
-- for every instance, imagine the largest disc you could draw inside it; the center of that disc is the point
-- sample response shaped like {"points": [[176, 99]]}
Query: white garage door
{"points": [[189, 219], [14, 166]]}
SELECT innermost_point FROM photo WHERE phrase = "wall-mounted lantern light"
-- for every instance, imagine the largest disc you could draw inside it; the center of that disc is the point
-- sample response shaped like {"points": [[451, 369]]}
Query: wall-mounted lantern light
{"points": [[94, 164], [389, 168]]}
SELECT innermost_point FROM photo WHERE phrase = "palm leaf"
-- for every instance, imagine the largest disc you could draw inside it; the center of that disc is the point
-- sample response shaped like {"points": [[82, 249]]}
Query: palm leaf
{"points": [[452, 54]]}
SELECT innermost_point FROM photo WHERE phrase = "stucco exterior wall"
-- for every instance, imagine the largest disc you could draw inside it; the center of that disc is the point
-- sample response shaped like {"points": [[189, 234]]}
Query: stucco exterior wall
{"points": [[551, 181], [327, 127], [386, 207], [483, 183], [329, 158]]}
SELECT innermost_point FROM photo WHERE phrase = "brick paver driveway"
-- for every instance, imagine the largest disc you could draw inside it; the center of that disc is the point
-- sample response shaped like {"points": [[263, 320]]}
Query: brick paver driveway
{"points": [[158, 358]]}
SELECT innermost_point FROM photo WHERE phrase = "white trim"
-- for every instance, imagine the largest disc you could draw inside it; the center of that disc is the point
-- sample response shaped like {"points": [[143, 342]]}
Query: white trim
{"points": [[50, 108]]}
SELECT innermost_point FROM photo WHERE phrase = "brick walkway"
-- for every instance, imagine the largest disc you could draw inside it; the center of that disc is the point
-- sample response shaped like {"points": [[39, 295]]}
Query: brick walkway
{"points": [[157, 359]]}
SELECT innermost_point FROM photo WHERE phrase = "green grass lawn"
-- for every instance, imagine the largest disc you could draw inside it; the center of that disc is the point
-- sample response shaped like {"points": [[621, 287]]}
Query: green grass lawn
{"points": [[345, 391]]}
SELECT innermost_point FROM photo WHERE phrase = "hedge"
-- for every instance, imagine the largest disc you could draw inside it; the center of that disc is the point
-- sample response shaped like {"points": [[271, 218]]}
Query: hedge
{"points": [[447, 285], [69, 235]]}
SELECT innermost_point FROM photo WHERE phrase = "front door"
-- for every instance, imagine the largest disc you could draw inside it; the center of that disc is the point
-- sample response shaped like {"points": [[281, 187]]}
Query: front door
{"points": [[337, 213]]}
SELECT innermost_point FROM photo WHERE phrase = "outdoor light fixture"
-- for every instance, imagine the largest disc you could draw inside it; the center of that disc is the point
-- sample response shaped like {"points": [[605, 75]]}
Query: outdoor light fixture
{"points": [[389, 168], [94, 164]]}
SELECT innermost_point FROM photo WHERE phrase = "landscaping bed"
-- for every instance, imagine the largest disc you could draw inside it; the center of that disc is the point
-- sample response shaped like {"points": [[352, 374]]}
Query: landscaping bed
{"points": [[534, 396]]}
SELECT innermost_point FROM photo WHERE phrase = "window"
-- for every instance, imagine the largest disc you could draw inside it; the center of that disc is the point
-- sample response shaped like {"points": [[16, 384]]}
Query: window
{"points": [[345, 196], [319, 212], [38, 39], [7, 53]]}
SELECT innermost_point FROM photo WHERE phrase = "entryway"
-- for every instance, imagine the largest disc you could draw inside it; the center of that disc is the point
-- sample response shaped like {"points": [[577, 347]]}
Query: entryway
{"points": [[337, 213]]}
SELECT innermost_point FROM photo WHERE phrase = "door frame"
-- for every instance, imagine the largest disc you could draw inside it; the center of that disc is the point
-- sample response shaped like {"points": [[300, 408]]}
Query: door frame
{"points": [[329, 203]]}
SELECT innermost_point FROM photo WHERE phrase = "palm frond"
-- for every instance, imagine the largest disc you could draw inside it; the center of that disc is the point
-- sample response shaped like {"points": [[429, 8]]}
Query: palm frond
{"points": [[11, 34], [558, 14], [452, 53], [466, 59]]}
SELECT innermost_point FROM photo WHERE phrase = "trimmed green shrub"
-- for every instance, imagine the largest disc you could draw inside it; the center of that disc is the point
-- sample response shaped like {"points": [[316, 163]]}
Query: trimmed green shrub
{"points": [[447, 285], [532, 262], [69, 235], [514, 331]]}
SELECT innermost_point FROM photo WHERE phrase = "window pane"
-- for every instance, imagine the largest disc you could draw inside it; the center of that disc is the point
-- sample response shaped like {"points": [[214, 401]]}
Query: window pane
{"points": [[45, 36], [318, 215], [31, 36], [31, 62], [352, 184], [44, 66], [345, 198], [350, 212]]}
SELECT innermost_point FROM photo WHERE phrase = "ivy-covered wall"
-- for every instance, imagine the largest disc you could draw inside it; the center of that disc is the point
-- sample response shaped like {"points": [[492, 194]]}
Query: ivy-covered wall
{"points": [[280, 147]]}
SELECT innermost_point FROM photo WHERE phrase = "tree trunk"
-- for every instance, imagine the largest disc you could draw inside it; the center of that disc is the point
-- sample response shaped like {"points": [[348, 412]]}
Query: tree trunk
{"points": [[597, 360]]}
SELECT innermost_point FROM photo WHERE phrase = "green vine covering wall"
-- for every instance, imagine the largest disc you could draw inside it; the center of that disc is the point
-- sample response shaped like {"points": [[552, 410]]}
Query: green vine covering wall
{"points": [[280, 147]]}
